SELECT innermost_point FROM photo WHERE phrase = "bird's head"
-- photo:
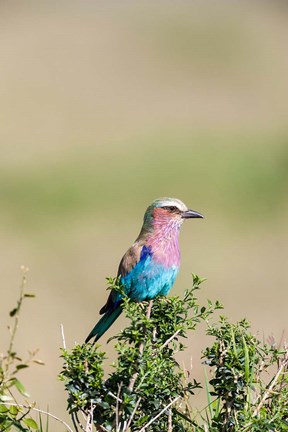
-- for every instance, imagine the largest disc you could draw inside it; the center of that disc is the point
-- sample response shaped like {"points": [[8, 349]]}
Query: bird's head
{"points": [[168, 212]]}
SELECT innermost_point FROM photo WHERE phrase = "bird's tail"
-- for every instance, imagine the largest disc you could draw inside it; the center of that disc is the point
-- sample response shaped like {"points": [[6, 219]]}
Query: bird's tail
{"points": [[104, 323]]}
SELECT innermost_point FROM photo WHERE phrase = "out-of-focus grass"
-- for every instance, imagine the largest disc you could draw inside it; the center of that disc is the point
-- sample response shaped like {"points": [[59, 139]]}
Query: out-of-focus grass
{"points": [[239, 177], [196, 38]]}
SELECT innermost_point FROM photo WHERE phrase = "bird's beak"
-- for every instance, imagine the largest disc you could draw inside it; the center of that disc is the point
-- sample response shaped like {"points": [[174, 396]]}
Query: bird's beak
{"points": [[191, 214]]}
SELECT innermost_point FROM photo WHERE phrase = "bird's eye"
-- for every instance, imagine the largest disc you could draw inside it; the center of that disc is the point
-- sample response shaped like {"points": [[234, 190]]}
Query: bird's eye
{"points": [[171, 208]]}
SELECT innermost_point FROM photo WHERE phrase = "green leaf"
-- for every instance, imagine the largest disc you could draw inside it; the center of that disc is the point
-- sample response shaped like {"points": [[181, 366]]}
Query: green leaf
{"points": [[13, 312], [14, 410], [233, 343], [208, 394], [21, 366], [20, 387], [247, 368], [3, 409], [5, 398], [30, 423]]}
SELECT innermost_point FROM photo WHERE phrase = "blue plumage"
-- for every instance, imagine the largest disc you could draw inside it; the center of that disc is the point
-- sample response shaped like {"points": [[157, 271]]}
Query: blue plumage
{"points": [[149, 268], [148, 279]]}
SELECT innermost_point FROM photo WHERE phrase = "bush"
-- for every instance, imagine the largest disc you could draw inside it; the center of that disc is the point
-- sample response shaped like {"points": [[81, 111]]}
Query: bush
{"points": [[149, 391], [246, 380]]}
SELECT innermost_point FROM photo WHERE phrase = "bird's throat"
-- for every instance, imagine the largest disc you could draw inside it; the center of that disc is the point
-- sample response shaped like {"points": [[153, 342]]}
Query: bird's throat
{"points": [[164, 243]]}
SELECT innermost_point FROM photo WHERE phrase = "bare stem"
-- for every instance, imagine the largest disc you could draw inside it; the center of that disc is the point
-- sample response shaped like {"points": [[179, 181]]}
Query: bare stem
{"points": [[170, 426], [160, 413], [141, 347], [267, 393], [170, 339], [133, 413], [63, 336], [118, 410], [16, 319], [29, 408]]}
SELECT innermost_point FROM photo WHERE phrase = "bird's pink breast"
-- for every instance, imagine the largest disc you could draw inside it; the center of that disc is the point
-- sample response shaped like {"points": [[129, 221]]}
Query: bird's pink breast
{"points": [[165, 248]]}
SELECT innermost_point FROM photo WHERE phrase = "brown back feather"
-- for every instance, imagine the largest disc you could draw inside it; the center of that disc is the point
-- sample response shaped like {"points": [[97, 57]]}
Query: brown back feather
{"points": [[129, 260]]}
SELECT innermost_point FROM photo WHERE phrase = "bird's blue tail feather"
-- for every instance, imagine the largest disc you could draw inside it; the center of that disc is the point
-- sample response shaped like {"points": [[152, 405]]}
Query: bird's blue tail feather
{"points": [[103, 324]]}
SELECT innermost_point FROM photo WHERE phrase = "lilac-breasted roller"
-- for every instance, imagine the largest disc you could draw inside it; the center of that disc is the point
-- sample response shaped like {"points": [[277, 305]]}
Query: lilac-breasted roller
{"points": [[150, 266]]}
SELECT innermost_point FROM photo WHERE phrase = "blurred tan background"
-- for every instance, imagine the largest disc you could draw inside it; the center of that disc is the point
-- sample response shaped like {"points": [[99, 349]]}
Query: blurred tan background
{"points": [[106, 106]]}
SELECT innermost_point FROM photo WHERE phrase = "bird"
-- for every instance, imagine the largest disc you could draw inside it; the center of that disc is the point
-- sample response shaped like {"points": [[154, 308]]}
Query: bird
{"points": [[150, 266]]}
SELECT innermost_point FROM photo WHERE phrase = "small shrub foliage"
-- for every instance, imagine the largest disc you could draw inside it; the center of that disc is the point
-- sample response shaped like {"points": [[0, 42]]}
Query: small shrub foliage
{"points": [[246, 380], [146, 379], [249, 380]]}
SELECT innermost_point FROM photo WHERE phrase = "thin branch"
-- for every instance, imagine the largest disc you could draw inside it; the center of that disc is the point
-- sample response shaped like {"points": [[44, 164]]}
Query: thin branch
{"points": [[283, 365], [39, 411], [16, 318], [160, 413], [63, 336], [100, 428], [170, 426], [88, 419], [141, 347], [148, 314], [117, 405], [85, 417], [170, 339], [115, 397], [24, 414], [78, 421], [74, 422], [133, 413]]}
